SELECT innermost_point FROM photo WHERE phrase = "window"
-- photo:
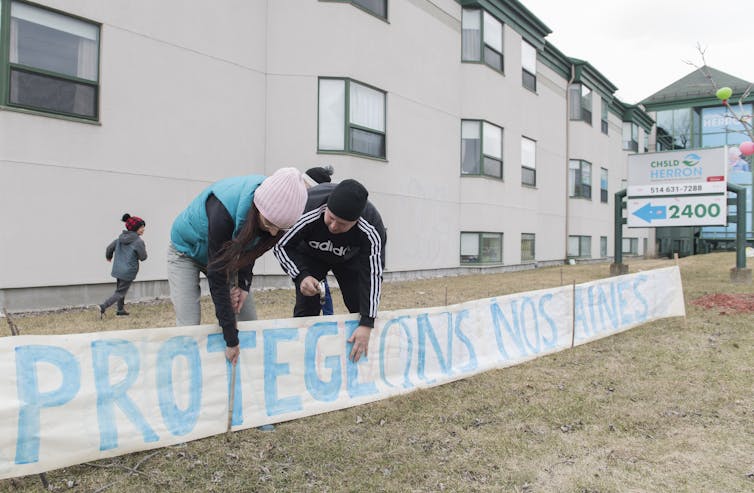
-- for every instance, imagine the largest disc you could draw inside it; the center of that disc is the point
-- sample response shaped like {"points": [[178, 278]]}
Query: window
{"points": [[376, 7], [528, 66], [527, 247], [580, 103], [482, 38], [604, 116], [351, 118], [603, 246], [580, 246], [718, 127], [481, 148], [631, 246], [481, 248], [528, 162], [603, 185], [53, 61], [580, 178], [674, 130], [630, 137]]}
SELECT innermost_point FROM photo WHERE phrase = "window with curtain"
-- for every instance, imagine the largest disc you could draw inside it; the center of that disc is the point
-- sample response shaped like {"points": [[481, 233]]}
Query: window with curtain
{"points": [[481, 148], [603, 246], [630, 246], [481, 248], [603, 119], [528, 162], [630, 137], [528, 66], [580, 246], [53, 61], [580, 178], [376, 7], [482, 38], [527, 247], [580, 103], [603, 185], [362, 130]]}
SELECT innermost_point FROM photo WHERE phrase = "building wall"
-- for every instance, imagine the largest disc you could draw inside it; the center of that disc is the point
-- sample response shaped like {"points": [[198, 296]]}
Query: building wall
{"points": [[191, 94], [178, 110]]}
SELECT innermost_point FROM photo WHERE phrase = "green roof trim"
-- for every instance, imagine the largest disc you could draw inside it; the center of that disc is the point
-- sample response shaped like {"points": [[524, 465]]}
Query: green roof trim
{"points": [[513, 13], [556, 60], [592, 77], [695, 89], [635, 114]]}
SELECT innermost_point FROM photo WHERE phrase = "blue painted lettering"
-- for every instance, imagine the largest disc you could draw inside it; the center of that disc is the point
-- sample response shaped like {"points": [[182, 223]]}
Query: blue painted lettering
{"points": [[32, 401], [179, 421], [319, 389], [273, 369], [247, 339], [109, 395]]}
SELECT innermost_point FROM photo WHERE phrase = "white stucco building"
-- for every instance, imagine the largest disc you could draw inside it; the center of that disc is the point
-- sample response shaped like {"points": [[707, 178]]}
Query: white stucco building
{"points": [[483, 146]]}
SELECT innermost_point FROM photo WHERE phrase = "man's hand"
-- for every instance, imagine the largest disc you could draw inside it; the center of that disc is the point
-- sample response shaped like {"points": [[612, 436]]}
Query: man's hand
{"points": [[360, 340], [309, 286], [231, 354], [237, 298]]}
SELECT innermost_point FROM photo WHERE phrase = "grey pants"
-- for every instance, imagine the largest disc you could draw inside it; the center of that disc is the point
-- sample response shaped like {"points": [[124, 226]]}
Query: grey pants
{"points": [[119, 296], [183, 277]]}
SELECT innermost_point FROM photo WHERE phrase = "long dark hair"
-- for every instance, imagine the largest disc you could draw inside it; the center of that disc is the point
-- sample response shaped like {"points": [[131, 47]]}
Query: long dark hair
{"points": [[235, 255]]}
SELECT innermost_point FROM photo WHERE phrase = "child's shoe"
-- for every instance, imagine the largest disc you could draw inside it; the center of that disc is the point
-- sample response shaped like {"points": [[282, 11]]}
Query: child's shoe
{"points": [[122, 313]]}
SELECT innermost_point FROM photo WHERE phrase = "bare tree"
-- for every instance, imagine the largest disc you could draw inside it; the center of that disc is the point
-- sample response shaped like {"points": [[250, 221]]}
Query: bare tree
{"points": [[739, 114]]}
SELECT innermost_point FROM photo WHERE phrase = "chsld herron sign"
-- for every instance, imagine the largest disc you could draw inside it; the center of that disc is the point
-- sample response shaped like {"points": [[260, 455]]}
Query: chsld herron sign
{"points": [[69, 399], [677, 188]]}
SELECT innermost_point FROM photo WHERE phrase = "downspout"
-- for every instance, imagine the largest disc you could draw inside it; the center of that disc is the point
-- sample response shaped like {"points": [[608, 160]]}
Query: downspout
{"points": [[568, 154]]}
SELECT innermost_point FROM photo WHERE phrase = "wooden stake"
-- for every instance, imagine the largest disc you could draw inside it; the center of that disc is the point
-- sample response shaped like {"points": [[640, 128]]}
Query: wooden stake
{"points": [[232, 399], [573, 314], [685, 322]]}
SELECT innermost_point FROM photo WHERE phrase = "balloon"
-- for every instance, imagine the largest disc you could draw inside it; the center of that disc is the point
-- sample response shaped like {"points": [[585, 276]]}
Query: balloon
{"points": [[746, 148], [724, 93]]}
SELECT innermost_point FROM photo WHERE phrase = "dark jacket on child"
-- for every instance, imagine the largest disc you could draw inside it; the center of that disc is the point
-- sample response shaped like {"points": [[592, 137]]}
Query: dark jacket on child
{"points": [[128, 249]]}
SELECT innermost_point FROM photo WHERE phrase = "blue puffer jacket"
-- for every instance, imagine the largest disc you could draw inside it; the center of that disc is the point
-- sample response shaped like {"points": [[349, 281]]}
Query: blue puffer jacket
{"points": [[128, 249], [190, 229]]}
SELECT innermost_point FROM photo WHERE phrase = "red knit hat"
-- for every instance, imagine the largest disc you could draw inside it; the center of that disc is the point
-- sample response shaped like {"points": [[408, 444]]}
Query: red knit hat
{"points": [[281, 197], [133, 223]]}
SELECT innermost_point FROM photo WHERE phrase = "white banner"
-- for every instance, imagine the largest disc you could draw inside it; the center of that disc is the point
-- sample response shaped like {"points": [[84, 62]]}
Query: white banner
{"points": [[69, 399]]}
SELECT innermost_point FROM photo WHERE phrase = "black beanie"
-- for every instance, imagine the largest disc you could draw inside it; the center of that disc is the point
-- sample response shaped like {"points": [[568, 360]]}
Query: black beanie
{"points": [[320, 174], [348, 199]]}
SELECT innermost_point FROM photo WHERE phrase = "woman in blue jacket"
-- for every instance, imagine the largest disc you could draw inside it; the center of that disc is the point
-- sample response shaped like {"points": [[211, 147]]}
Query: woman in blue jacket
{"points": [[221, 233]]}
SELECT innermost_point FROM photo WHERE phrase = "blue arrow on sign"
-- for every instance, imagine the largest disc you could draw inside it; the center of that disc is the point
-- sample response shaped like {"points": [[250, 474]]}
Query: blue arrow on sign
{"points": [[647, 212]]}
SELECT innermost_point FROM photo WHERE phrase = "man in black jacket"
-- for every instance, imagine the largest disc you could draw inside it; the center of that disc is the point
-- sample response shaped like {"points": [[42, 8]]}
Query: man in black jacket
{"points": [[343, 232]]}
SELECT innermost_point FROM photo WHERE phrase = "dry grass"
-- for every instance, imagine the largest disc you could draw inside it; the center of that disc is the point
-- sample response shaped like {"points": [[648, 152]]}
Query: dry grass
{"points": [[666, 406]]}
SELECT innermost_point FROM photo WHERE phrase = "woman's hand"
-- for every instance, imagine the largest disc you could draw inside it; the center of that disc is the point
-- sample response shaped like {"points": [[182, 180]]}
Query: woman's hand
{"points": [[231, 354], [237, 298]]}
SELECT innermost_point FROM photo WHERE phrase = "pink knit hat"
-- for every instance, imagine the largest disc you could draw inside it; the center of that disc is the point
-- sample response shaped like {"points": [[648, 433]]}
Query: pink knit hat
{"points": [[281, 197]]}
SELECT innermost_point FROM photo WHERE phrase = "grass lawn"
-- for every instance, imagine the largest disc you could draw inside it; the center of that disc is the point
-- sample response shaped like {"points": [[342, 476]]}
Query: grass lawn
{"points": [[666, 406]]}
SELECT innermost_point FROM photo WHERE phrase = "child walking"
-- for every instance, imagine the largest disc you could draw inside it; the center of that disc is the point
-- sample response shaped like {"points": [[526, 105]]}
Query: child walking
{"points": [[128, 249]]}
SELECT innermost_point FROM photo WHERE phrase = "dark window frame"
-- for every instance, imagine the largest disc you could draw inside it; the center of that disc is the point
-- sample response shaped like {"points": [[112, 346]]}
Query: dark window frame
{"points": [[352, 128], [581, 188], [479, 255], [528, 239], [482, 157], [12, 73], [487, 52]]}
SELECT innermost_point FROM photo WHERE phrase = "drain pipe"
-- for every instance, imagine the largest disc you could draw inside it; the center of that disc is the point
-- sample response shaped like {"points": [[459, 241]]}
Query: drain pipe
{"points": [[568, 154]]}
